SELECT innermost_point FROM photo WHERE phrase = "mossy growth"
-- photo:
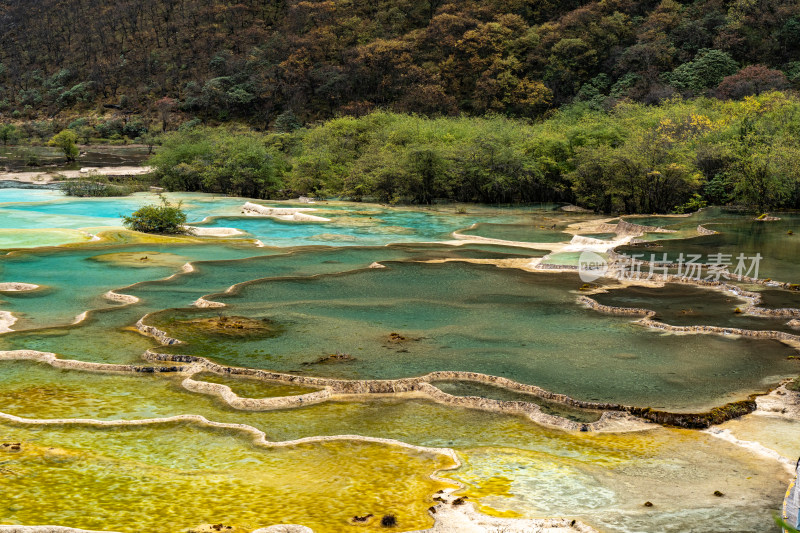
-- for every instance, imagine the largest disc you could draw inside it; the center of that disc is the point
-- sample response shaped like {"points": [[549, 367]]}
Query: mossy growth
{"points": [[715, 416], [229, 326]]}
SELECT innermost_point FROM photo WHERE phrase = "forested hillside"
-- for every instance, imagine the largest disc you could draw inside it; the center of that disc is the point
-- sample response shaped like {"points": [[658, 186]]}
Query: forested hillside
{"points": [[303, 61], [678, 156]]}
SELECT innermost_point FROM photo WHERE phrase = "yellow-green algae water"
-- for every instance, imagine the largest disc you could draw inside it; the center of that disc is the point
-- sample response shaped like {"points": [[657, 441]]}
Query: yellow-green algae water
{"points": [[548, 472], [174, 476], [311, 284]]}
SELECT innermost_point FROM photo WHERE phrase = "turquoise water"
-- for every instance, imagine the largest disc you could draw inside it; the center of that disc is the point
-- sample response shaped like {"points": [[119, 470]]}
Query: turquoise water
{"points": [[479, 318], [52, 209], [318, 296], [682, 305], [74, 280], [63, 298], [778, 248], [351, 226], [539, 230]]}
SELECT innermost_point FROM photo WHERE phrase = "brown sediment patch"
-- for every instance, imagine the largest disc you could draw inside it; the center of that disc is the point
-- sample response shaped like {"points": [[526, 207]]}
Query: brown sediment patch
{"points": [[396, 338], [217, 528], [338, 357], [141, 259], [229, 326]]}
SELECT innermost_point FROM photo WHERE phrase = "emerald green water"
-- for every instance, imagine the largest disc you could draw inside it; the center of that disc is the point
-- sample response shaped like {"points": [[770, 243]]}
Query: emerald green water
{"points": [[742, 235], [313, 285], [546, 230], [74, 281], [682, 305], [458, 316]]}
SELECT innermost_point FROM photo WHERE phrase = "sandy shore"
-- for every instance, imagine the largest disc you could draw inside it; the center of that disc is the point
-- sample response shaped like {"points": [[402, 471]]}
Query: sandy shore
{"points": [[44, 177]]}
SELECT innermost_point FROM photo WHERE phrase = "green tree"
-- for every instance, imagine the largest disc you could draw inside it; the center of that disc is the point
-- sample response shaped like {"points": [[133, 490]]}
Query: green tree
{"points": [[218, 160], [8, 134], [707, 70], [763, 173], [66, 140], [165, 218], [287, 122]]}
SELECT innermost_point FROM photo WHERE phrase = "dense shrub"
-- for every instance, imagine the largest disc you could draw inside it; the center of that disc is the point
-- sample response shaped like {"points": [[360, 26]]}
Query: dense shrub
{"points": [[632, 158], [219, 161], [65, 141], [98, 187], [164, 218]]}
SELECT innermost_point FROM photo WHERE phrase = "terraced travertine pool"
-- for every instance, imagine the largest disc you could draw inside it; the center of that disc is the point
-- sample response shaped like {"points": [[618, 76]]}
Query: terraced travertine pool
{"points": [[313, 372]]}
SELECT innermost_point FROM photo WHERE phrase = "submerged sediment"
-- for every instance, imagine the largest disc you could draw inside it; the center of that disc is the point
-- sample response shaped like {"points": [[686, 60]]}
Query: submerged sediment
{"points": [[422, 385]]}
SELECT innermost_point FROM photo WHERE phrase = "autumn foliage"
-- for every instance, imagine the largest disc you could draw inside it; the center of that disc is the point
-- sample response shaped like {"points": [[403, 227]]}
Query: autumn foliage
{"points": [[257, 60]]}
